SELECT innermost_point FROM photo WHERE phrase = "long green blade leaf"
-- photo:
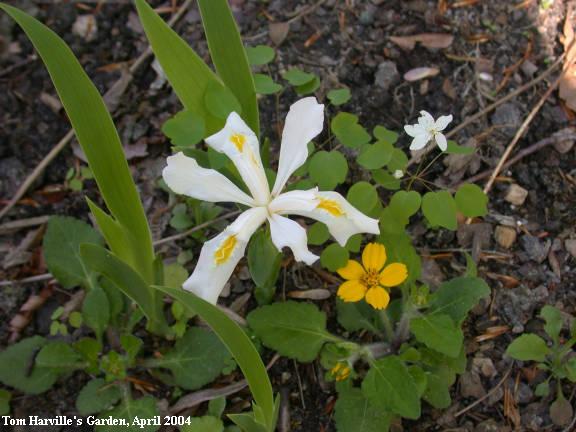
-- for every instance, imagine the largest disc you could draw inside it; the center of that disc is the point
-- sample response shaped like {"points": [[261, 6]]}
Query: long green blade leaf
{"points": [[229, 56], [237, 343], [187, 73], [96, 134]]}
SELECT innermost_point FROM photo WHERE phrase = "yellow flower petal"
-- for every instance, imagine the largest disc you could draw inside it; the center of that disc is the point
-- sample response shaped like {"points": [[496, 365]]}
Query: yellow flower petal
{"points": [[351, 271], [378, 298], [374, 256], [351, 291], [393, 274]]}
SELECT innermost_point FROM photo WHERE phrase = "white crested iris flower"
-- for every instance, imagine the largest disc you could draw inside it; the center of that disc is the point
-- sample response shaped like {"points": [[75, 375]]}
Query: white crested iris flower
{"points": [[427, 129], [220, 255]]}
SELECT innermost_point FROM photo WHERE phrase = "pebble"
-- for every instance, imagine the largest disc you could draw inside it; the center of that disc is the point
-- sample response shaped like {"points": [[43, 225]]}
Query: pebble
{"points": [[516, 195], [509, 116], [471, 385], [535, 248], [570, 245], [563, 146], [524, 393], [485, 366], [487, 426], [505, 236], [85, 26], [387, 75]]}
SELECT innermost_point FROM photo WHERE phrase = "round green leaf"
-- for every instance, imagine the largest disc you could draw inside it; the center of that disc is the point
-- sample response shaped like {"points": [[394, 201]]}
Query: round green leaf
{"points": [[96, 396], [383, 134], [265, 84], [260, 55], [404, 204], [296, 77], [440, 209], [185, 129], [220, 101], [374, 156], [328, 169], [471, 200], [387, 180], [339, 96], [348, 131], [398, 161], [309, 87], [334, 257], [363, 196], [318, 234]]}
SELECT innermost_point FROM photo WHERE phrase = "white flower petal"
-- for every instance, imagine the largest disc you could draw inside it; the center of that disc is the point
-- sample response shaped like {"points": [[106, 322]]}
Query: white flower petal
{"points": [[304, 121], [286, 232], [442, 122], [184, 176], [240, 144], [414, 130], [420, 141], [219, 256], [426, 120], [441, 141], [342, 219]]}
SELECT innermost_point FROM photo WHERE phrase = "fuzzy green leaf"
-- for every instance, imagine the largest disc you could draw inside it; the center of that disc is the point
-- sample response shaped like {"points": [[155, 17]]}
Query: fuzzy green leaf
{"points": [[97, 396], [528, 347], [354, 413], [440, 209], [439, 333]]}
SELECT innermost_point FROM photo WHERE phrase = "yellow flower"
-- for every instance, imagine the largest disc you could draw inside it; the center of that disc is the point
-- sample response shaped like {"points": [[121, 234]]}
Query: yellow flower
{"points": [[340, 372], [371, 279]]}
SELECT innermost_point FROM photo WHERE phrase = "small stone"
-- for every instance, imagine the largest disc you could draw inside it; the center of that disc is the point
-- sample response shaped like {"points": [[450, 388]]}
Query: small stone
{"points": [[509, 117], [536, 249], [563, 146], [505, 236], [485, 366], [471, 385], [524, 393], [529, 68], [487, 426], [387, 75], [570, 246], [516, 195], [51, 102], [85, 26]]}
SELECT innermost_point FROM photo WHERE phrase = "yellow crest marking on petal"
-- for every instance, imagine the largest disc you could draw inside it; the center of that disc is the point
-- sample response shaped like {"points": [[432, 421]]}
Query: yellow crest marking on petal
{"points": [[378, 298], [225, 250], [351, 271], [238, 140], [393, 274], [351, 291], [374, 256], [331, 207]]}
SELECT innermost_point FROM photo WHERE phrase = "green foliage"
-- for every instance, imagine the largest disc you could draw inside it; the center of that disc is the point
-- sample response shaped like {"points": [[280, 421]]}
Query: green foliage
{"points": [[553, 319], [297, 77], [389, 386], [59, 356], [348, 131], [440, 209], [264, 264], [374, 156], [264, 84], [203, 424], [528, 347], [96, 310], [339, 97], [334, 257], [439, 333], [128, 410], [318, 234], [405, 204], [357, 316], [454, 148], [457, 297], [5, 397], [97, 396], [328, 169], [355, 413], [61, 247], [363, 196], [17, 367], [471, 201], [220, 101], [260, 55], [185, 129], [295, 330], [386, 135]]}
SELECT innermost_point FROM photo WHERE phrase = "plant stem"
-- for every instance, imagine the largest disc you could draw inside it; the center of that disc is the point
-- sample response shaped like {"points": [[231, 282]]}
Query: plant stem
{"points": [[388, 330]]}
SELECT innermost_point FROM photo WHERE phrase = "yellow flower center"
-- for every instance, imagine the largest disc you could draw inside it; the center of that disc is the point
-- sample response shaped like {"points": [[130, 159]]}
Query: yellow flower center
{"points": [[225, 250], [340, 372], [371, 279], [238, 140], [331, 207]]}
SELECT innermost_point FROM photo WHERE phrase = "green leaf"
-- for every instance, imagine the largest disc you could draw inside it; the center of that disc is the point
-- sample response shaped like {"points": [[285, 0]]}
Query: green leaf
{"points": [[131, 345], [348, 131], [96, 310], [295, 330], [363, 196], [143, 408], [175, 274], [220, 101], [203, 424], [386, 135], [328, 169], [5, 397], [318, 234], [528, 347], [187, 73], [97, 396], [553, 318], [15, 363], [260, 55], [216, 406], [354, 316], [457, 297], [354, 413], [471, 200], [229, 57], [196, 360], [296, 77], [405, 204], [237, 343], [542, 389], [440, 209], [309, 87], [339, 96], [60, 356], [420, 378], [389, 385], [265, 84], [437, 392], [387, 180], [398, 161], [96, 134], [454, 148], [334, 257], [439, 333], [185, 129], [377, 155], [61, 247], [264, 264]]}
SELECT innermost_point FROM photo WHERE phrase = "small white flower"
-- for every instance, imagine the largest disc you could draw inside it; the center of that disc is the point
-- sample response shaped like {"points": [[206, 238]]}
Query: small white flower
{"points": [[428, 129], [220, 255], [398, 174]]}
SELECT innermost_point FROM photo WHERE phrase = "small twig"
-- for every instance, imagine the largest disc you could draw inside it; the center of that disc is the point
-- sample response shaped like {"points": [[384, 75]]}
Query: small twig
{"points": [[15, 66], [70, 134], [487, 395], [31, 279], [19, 224]]}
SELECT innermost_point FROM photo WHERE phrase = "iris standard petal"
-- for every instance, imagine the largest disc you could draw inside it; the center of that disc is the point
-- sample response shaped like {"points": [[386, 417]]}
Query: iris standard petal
{"points": [[420, 141], [286, 232], [378, 298], [374, 256], [304, 121], [184, 176], [353, 270], [342, 219], [240, 144], [219, 256], [351, 291], [441, 141], [442, 122], [393, 275]]}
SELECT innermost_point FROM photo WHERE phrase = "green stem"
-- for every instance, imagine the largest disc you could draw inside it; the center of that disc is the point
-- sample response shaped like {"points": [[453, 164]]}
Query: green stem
{"points": [[388, 329]]}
